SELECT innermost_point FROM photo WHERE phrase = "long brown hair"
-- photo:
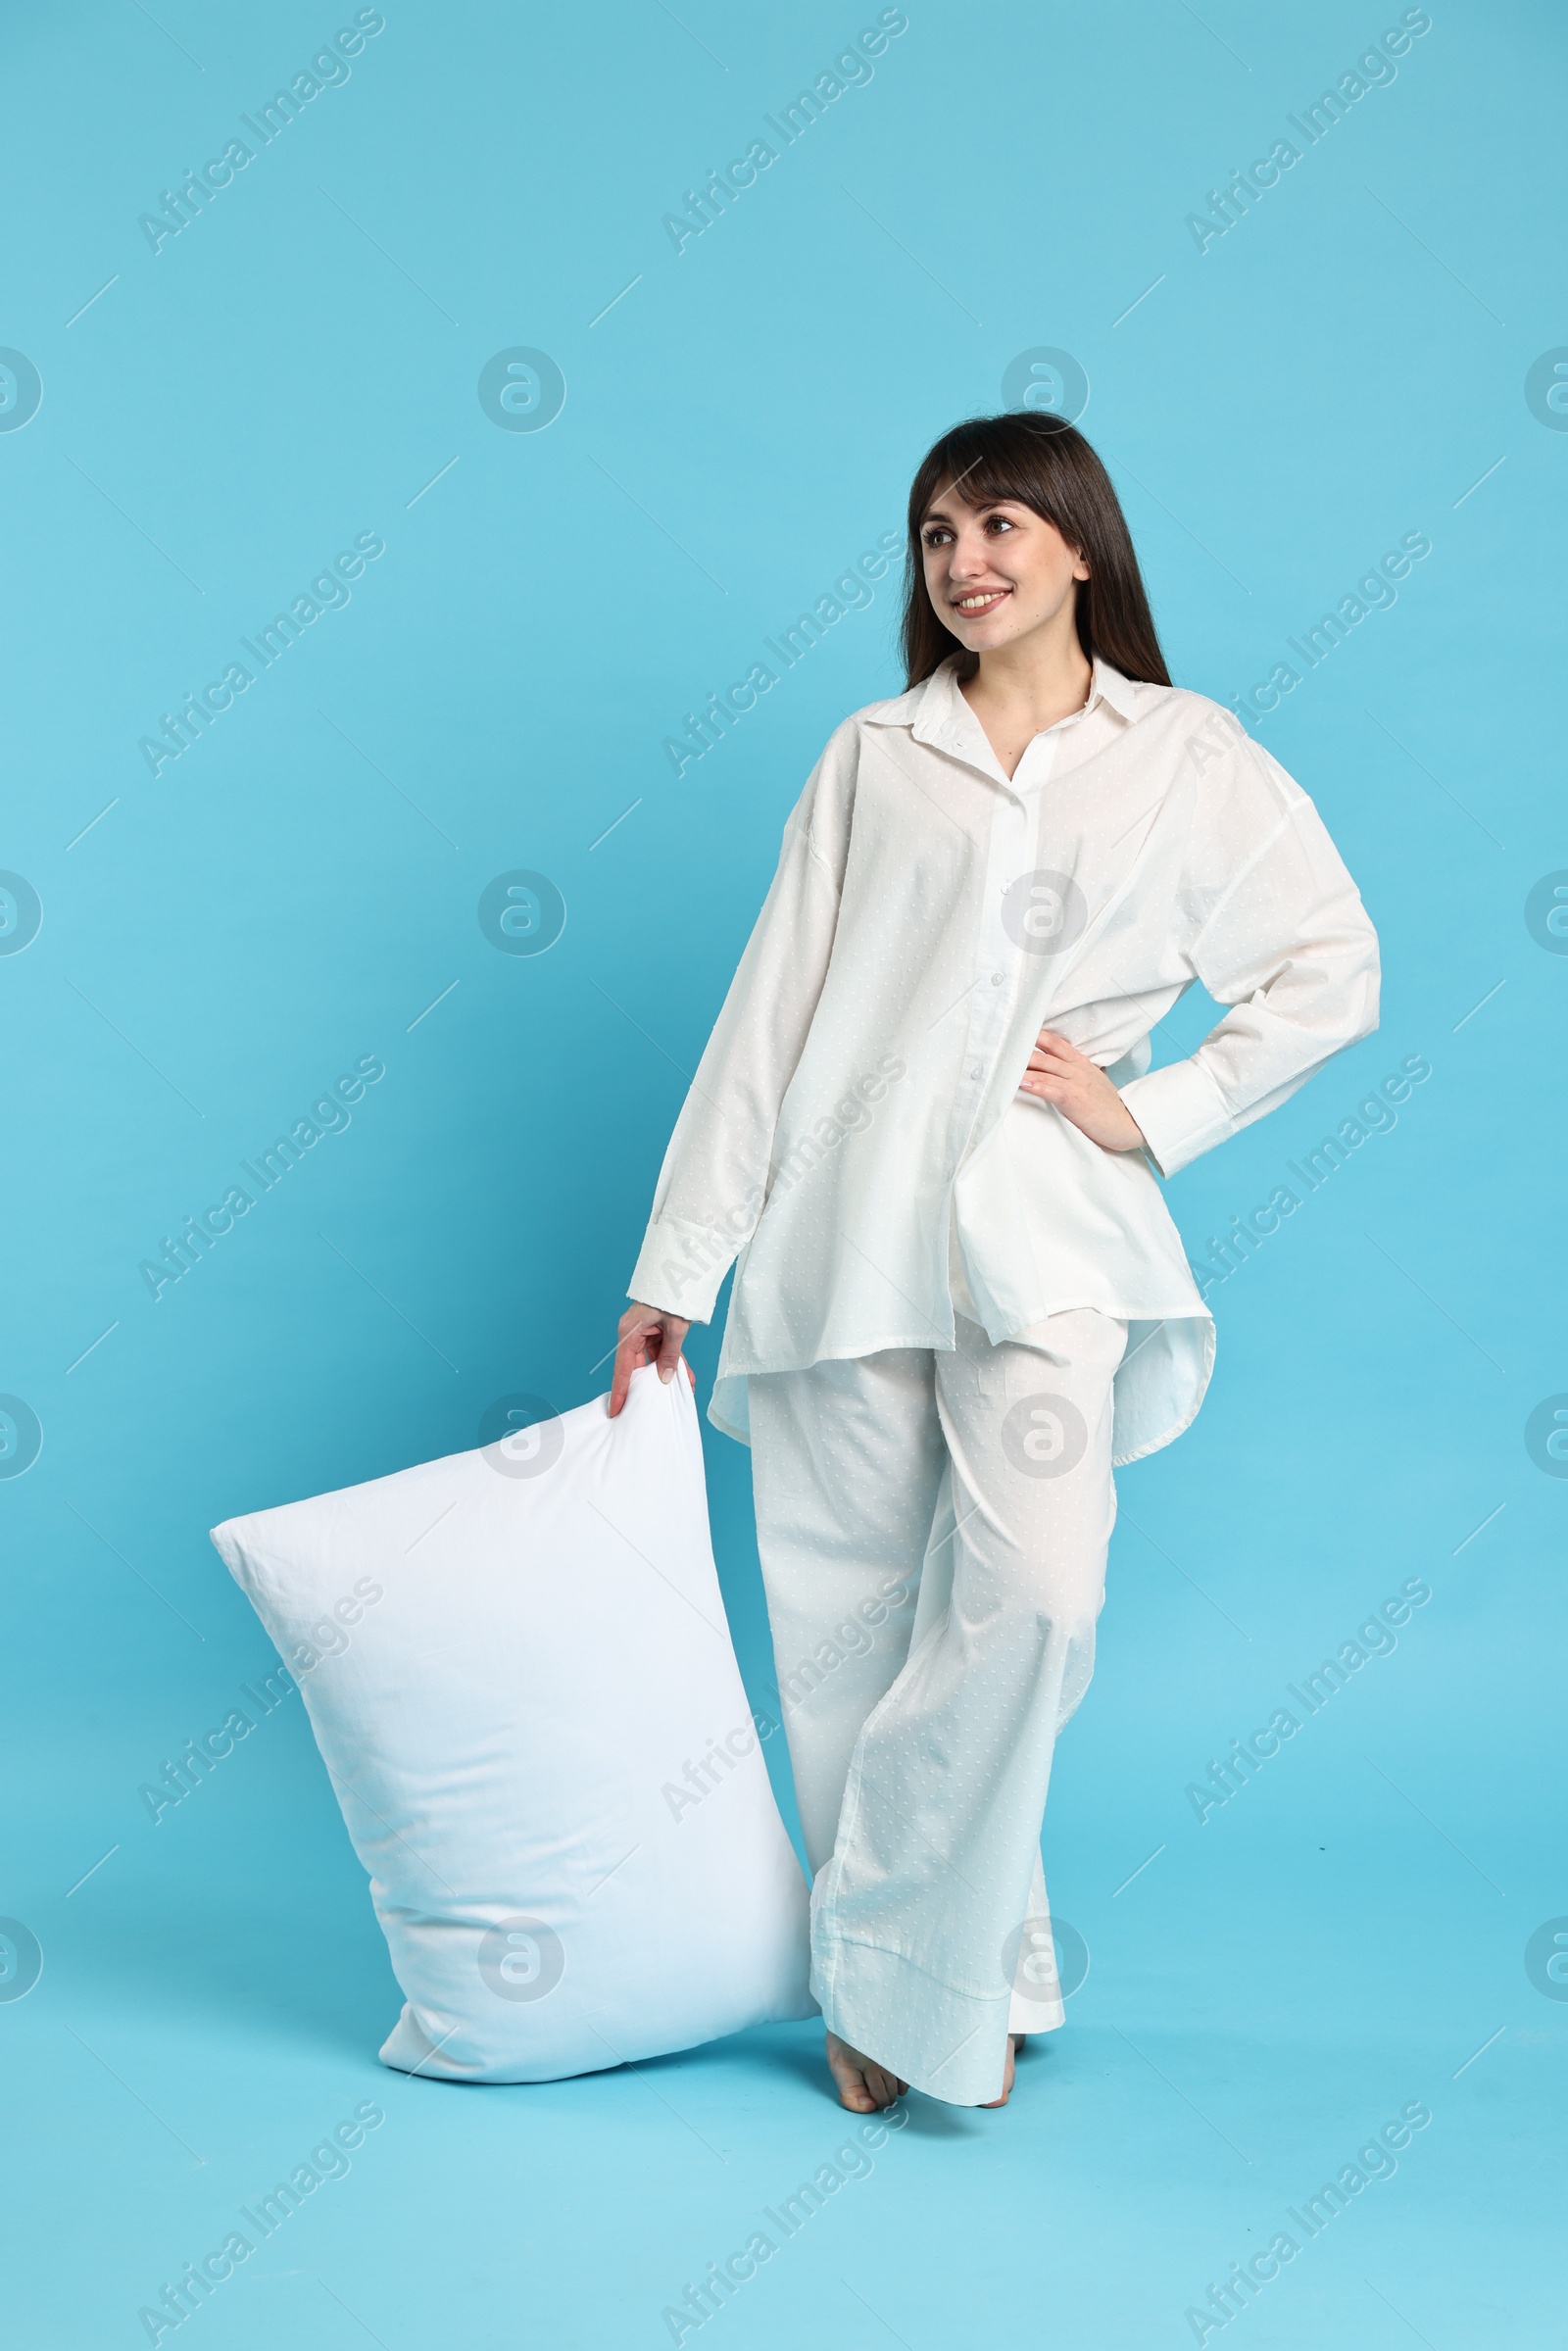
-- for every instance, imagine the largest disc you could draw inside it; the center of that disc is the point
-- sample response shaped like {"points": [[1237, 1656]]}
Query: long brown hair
{"points": [[1044, 463]]}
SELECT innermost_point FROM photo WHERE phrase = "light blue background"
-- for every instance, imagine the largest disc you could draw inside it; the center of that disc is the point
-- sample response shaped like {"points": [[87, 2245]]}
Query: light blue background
{"points": [[1345, 364]]}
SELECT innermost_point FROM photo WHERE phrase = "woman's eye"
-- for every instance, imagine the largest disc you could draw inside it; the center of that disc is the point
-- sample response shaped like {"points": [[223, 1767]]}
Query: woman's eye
{"points": [[999, 522]]}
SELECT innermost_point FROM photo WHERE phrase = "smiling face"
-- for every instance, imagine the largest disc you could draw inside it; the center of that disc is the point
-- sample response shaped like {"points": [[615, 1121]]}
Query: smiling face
{"points": [[998, 572]]}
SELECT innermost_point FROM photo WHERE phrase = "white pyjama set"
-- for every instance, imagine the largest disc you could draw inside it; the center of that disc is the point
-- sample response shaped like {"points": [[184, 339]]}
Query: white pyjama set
{"points": [[952, 1312]]}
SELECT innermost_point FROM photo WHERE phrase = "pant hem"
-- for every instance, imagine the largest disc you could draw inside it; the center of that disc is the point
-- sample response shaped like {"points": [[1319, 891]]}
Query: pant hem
{"points": [[948, 2043]]}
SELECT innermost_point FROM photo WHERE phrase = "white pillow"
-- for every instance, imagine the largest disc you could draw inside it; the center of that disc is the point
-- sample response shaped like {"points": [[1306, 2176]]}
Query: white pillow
{"points": [[519, 1675]]}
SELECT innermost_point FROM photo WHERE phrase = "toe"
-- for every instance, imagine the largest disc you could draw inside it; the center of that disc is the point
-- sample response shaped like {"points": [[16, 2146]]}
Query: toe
{"points": [[862, 2085]]}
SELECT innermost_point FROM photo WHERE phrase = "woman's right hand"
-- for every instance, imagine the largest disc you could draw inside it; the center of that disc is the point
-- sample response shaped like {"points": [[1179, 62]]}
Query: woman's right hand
{"points": [[646, 1335]]}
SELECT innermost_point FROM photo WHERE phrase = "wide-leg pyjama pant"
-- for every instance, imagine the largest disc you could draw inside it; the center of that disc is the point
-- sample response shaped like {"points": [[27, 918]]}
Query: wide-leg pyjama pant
{"points": [[933, 1528]]}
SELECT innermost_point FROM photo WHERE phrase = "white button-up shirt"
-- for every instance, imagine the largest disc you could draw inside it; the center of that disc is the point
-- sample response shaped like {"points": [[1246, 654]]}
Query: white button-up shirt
{"points": [[854, 1129]]}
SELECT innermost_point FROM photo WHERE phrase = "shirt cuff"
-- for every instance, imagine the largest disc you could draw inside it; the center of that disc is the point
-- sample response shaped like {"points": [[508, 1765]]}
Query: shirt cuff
{"points": [[1179, 1111], [681, 1269]]}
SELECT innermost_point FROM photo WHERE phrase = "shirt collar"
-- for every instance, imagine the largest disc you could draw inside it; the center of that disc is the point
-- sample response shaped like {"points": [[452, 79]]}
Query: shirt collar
{"points": [[1120, 692], [938, 713]]}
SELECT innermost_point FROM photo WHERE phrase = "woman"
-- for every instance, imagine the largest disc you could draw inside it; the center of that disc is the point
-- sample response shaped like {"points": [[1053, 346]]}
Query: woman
{"points": [[926, 1122]]}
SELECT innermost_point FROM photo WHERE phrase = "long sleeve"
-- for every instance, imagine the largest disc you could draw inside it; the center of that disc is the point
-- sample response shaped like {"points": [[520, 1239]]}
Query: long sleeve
{"points": [[1282, 937], [714, 1178]]}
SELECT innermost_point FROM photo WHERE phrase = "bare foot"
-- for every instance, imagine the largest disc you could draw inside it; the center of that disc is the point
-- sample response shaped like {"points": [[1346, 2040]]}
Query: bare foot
{"points": [[1015, 2041], [861, 2083]]}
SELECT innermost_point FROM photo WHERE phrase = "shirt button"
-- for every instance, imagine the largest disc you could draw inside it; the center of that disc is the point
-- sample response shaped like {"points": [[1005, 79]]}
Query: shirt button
{"points": [[995, 979], [977, 1073]]}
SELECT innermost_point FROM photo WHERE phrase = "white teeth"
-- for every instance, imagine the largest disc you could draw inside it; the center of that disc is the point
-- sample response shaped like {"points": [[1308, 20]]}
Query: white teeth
{"points": [[968, 604]]}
